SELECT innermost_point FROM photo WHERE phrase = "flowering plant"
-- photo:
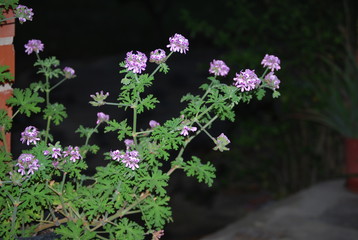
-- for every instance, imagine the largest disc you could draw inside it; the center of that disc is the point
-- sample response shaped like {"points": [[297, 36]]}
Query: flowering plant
{"points": [[44, 187]]}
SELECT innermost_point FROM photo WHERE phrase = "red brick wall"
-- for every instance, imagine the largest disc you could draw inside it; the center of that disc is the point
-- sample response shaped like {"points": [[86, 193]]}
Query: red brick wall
{"points": [[7, 57]]}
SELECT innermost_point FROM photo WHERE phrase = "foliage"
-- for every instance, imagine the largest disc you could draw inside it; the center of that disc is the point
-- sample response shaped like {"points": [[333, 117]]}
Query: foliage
{"points": [[45, 187]]}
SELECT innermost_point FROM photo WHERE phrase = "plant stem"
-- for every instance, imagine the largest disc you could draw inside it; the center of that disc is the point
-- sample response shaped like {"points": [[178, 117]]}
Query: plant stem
{"points": [[121, 213], [17, 111], [157, 68], [16, 203], [5, 19], [57, 84], [90, 134], [47, 129]]}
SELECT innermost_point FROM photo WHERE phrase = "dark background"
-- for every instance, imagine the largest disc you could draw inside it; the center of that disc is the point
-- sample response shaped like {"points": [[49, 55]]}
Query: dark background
{"points": [[273, 151]]}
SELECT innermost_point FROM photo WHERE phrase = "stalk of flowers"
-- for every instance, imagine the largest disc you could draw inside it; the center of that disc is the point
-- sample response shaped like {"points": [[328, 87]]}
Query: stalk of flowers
{"points": [[22, 12], [135, 181]]}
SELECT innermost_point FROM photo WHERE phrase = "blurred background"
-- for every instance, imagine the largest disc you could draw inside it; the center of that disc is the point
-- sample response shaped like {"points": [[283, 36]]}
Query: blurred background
{"points": [[277, 146]]}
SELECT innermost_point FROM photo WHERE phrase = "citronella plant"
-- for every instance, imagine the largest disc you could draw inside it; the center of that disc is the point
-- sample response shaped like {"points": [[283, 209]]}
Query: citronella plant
{"points": [[44, 187]]}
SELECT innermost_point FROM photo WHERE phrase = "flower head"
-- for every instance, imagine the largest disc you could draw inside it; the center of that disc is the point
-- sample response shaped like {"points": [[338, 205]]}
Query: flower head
{"points": [[158, 56], [272, 62], [136, 62], [129, 158], [56, 152], [219, 68], [34, 46], [27, 162], [272, 80], [221, 142], [98, 98], [128, 143], [246, 80], [101, 117], [158, 234], [23, 13], [30, 135], [153, 123], [69, 72], [186, 129], [74, 153], [178, 43]]}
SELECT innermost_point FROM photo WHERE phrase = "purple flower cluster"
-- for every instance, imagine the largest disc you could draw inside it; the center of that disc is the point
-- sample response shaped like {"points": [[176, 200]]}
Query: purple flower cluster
{"points": [[136, 62], [178, 43], [30, 135], [57, 153], [186, 129], [101, 117], [27, 164], [246, 80], [219, 68], [74, 153], [23, 13], [34, 46], [272, 80], [129, 158], [158, 56], [272, 62], [69, 72]]}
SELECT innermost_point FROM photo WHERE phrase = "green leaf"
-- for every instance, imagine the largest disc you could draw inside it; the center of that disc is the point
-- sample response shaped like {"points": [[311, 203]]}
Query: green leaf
{"points": [[203, 172], [5, 120], [156, 212], [157, 182], [148, 103], [126, 229], [5, 75], [84, 132], [74, 230], [26, 100], [276, 94], [56, 112], [122, 128], [260, 93], [163, 67]]}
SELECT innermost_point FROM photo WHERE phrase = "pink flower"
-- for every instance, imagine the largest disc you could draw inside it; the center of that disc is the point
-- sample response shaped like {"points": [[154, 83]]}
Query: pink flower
{"points": [[136, 62], [246, 80], [69, 72], [186, 129], [56, 153], [157, 56], [34, 46], [272, 80], [23, 13], [27, 162], [219, 68], [153, 123], [30, 135], [178, 43], [116, 155], [74, 153], [158, 234], [128, 143], [101, 117], [272, 62], [129, 158]]}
